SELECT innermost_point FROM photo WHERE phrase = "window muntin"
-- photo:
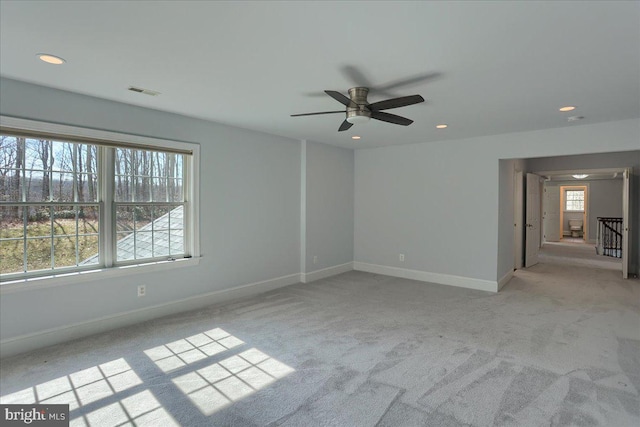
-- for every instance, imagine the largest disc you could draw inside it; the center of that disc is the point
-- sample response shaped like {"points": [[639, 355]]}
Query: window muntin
{"points": [[52, 197], [574, 200]]}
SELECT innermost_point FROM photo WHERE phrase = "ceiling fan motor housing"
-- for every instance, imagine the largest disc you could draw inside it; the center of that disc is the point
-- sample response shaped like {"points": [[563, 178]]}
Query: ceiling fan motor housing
{"points": [[357, 111]]}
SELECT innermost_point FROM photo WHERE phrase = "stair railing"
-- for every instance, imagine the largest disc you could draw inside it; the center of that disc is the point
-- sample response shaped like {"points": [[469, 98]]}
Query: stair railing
{"points": [[609, 238]]}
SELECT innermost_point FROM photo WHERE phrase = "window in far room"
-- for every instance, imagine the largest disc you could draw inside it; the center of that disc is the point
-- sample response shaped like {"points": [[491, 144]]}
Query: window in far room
{"points": [[574, 200]]}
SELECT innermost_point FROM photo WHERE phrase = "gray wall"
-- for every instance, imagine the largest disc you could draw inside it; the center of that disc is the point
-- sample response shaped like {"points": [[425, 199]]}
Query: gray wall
{"points": [[605, 199], [447, 205], [250, 210], [424, 201], [329, 206], [606, 161]]}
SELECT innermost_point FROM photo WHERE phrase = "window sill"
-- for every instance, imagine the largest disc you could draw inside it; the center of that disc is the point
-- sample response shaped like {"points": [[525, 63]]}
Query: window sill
{"points": [[54, 280]]}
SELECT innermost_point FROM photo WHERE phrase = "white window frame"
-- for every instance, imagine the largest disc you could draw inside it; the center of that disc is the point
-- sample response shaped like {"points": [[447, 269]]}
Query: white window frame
{"points": [[109, 268], [566, 201]]}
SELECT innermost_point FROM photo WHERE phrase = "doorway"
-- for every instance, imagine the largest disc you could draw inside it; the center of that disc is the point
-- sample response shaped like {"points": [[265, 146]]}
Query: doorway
{"points": [[572, 204], [623, 167], [574, 213], [565, 212]]}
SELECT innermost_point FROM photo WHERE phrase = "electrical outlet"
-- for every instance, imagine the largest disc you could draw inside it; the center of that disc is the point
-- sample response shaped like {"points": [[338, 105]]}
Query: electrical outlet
{"points": [[401, 257], [315, 259], [142, 290]]}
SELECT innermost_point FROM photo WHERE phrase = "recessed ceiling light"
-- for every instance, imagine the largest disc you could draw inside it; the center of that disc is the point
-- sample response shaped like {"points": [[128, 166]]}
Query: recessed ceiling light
{"points": [[355, 137], [567, 108], [580, 176], [51, 59], [442, 126]]}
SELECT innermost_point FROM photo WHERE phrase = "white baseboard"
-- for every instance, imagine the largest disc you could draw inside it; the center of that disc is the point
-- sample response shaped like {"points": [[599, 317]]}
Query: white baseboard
{"points": [[425, 276], [505, 279], [33, 341], [326, 272]]}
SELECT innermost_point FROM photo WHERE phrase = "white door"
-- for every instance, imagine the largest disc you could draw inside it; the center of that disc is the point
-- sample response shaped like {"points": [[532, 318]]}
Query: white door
{"points": [[532, 233], [551, 216], [518, 216], [625, 223]]}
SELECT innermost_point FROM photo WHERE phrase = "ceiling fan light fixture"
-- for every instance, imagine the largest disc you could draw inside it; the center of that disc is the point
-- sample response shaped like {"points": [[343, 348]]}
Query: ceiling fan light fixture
{"points": [[580, 176], [354, 120]]}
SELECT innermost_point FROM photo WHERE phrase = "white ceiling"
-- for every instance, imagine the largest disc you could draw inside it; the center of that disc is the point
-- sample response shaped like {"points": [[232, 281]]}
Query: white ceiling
{"points": [[504, 66]]}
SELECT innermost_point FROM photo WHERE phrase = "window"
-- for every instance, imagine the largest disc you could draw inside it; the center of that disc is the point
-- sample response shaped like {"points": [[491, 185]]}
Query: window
{"points": [[48, 204], [149, 204], [68, 204], [574, 200]]}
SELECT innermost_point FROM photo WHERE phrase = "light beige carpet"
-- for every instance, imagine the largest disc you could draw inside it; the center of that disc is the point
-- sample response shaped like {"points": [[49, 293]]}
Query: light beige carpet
{"points": [[577, 254], [559, 346]]}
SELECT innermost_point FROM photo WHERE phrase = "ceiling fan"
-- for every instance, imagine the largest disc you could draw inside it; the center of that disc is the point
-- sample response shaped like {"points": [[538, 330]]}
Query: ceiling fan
{"points": [[359, 110]]}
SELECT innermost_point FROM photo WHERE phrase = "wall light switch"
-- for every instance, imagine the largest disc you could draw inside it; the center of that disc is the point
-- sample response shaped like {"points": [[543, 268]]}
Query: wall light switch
{"points": [[142, 290], [401, 257]]}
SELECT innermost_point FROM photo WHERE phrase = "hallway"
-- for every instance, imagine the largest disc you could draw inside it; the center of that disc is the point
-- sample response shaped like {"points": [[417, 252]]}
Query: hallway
{"points": [[576, 253]]}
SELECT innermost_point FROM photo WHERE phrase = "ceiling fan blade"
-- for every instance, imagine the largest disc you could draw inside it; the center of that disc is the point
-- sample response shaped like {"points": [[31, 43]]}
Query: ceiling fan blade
{"points": [[407, 81], [315, 114], [356, 76], [338, 97], [396, 102], [344, 126], [391, 118]]}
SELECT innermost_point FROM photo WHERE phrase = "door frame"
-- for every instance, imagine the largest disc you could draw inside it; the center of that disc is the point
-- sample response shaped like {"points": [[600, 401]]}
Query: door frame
{"points": [[532, 233], [585, 214], [518, 216], [626, 221]]}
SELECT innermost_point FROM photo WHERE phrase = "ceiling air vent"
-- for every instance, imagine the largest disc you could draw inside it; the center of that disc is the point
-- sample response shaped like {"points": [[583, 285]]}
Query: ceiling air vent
{"points": [[145, 91]]}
